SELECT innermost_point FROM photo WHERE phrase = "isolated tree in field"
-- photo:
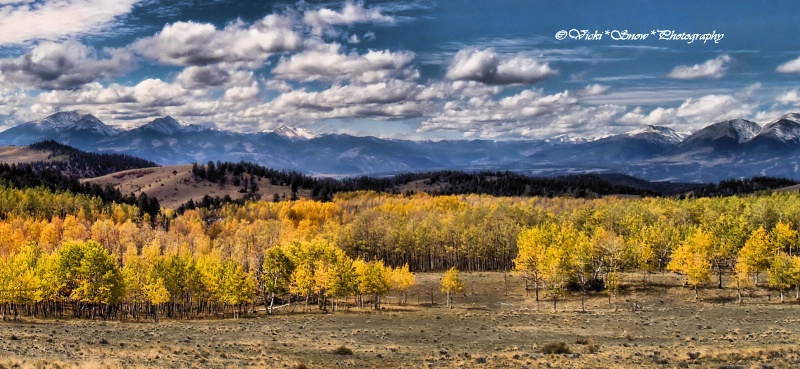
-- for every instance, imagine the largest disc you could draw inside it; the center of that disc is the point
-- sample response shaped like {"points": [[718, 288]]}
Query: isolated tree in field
{"points": [[757, 252], [402, 280], [781, 273], [451, 284], [691, 259]]}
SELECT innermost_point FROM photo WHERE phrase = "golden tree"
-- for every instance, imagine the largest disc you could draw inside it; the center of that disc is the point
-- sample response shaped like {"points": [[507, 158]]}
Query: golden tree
{"points": [[452, 284]]}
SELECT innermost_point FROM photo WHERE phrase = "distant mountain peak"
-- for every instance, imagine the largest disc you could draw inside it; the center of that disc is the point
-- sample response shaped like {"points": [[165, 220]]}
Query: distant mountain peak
{"points": [[166, 125], [293, 133], [738, 130], [79, 120], [791, 116], [784, 129], [565, 138], [657, 134]]}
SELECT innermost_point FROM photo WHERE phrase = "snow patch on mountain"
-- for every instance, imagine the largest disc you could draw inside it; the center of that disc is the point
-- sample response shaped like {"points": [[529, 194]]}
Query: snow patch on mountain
{"points": [[293, 133], [785, 129], [656, 134], [78, 120], [567, 139], [739, 130]]}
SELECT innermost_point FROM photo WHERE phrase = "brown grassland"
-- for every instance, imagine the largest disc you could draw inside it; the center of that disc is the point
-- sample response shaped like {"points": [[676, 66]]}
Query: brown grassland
{"points": [[494, 324], [175, 185]]}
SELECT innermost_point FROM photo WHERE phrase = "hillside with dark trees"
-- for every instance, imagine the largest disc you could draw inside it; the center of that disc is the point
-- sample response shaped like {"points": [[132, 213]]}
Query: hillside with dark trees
{"points": [[32, 176], [498, 183], [82, 164]]}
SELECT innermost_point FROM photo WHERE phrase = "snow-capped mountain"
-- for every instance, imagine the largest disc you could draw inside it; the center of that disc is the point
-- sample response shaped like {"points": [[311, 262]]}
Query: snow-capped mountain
{"points": [[293, 133], [561, 139], [167, 126], [730, 149], [785, 130], [658, 135], [723, 135], [77, 120]]}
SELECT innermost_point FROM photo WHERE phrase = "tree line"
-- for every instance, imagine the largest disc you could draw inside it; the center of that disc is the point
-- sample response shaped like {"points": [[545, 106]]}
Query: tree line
{"points": [[562, 244], [81, 164]]}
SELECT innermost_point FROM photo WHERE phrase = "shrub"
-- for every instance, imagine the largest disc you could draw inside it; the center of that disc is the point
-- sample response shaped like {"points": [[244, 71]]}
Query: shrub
{"points": [[342, 350], [556, 348]]}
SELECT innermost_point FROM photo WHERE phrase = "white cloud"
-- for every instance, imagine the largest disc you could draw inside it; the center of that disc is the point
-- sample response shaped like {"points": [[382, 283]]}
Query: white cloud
{"points": [[322, 19], [327, 62], [694, 113], [146, 94], [530, 113], [198, 44], [712, 69], [485, 66], [594, 89], [383, 100], [25, 21], [242, 93], [792, 66], [789, 98], [67, 65]]}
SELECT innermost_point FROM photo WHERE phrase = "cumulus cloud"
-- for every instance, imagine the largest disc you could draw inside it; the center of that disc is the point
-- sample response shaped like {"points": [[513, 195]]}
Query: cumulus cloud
{"points": [[383, 100], [149, 93], [322, 19], [328, 62], [694, 113], [214, 76], [789, 98], [485, 66], [530, 113], [712, 69], [61, 66], [594, 89], [24, 21], [198, 44], [792, 66], [242, 93]]}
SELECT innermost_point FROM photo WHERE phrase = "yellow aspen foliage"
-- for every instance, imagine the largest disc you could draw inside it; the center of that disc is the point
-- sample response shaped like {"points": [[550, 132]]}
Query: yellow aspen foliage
{"points": [[784, 238], [781, 273], [74, 229], [757, 252], [402, 280], [451, 284], [156, 292], [374, 279], [691, 259]]}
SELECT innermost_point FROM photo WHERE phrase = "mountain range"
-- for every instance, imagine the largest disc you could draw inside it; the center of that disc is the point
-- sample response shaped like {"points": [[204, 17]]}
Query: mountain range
{"points": [[728, 149]]}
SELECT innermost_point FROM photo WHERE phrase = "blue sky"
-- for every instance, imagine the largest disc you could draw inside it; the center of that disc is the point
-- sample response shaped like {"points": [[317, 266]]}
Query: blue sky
{"points": [[402, 69]]}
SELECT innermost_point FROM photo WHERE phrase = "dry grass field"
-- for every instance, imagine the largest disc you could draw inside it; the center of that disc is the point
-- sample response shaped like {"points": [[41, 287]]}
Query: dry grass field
{"points": [[175, 185], [21, 154], [493, 325]]}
